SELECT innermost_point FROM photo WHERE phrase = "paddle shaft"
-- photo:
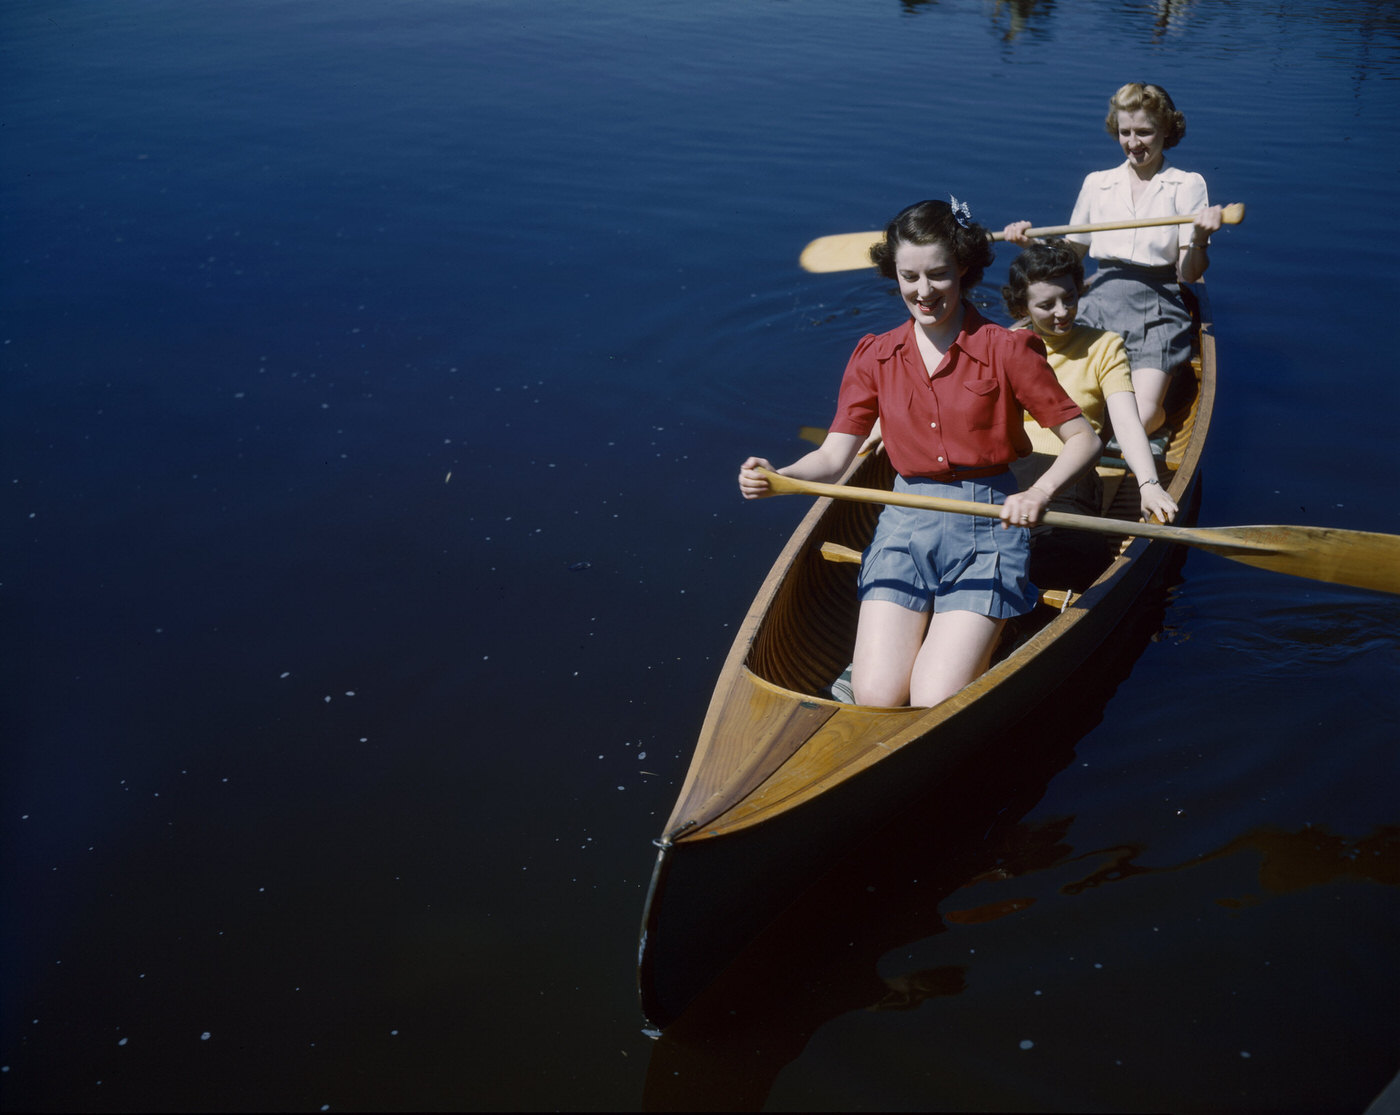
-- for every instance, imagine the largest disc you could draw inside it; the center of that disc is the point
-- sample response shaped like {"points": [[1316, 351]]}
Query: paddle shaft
{"points": [[850, 251], [786, 485], [1230, 215], [1346, 557]]}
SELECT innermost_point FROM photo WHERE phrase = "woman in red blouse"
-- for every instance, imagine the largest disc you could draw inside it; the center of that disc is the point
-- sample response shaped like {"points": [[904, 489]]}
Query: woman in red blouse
{"points": [[949, 389]]}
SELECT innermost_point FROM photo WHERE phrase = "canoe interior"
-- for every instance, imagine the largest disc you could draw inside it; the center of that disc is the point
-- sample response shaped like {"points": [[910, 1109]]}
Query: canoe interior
{"points": [[806, 637]]}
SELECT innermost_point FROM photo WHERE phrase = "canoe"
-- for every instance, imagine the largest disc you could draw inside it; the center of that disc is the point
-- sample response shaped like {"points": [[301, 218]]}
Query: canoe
{"points": [[784, 777]]}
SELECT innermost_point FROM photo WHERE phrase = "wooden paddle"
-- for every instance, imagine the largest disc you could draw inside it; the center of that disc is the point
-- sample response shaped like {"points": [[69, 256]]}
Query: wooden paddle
{"points": [[1343, 557], [850, 251]]}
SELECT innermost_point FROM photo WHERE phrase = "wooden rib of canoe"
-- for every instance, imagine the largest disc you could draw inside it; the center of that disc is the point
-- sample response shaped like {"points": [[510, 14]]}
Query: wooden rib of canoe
{"points": [[783, 775]]}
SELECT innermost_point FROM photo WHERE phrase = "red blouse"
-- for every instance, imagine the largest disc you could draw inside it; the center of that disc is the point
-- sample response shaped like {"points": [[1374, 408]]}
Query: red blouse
{"points": [[968, 416]]}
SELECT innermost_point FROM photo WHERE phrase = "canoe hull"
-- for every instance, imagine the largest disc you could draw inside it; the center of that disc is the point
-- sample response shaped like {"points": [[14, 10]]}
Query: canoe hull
{"points": [[784, 779]]}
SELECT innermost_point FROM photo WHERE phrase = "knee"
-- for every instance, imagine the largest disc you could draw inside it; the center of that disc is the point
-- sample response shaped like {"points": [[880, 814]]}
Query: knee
{"points": [[885, 692]]}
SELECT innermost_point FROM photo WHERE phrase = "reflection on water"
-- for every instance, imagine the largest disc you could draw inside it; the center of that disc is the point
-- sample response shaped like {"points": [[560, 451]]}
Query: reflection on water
{"points": [[966, 859], [821, 959], [1020, 15]]}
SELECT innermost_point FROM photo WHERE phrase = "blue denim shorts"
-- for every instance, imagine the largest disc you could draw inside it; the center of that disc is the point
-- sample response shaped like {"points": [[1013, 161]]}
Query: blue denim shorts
{"points": [[943, 562]]}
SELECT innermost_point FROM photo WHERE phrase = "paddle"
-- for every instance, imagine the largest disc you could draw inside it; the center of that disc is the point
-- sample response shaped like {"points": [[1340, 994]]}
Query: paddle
{"points": [[850, 251], [1357, 558]]}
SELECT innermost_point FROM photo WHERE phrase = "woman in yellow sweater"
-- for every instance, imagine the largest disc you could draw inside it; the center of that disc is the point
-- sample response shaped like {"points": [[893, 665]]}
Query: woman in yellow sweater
{"points": [[1044, 285]]}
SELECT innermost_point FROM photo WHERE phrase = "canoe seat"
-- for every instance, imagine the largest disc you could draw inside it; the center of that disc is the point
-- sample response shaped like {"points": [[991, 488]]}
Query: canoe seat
{"points": [[834, 551]]}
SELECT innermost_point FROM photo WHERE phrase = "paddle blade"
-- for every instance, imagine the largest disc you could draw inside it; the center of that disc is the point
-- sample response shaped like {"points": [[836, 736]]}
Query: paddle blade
{"points": [[815, 434], [842, 251], [1361, 559]]}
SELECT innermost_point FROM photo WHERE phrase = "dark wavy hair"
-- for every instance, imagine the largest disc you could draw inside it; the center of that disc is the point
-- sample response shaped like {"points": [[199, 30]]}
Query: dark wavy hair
{"points": [[932, 222], [1039, 263], [1154, 101]]}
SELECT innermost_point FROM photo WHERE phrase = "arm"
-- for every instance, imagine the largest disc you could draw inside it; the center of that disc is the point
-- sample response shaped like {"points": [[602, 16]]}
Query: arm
{"points": [[1191, 264], [824, 464], [1123, 410], [1081, 449], [1015, 233]]}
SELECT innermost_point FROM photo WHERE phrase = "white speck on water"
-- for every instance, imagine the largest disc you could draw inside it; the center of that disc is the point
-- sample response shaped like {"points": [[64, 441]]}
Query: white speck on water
{"points": [[122, 1041], [1027, 1044], [205, 1036], [622, 787], [328, 698], [1245, 1052], [641, 754], [349, 692], [286, 673]]}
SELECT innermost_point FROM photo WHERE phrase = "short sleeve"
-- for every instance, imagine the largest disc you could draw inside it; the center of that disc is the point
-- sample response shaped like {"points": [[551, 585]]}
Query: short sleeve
{"points": [[1190, 198], [858, 404], [1035, 385], [1083, 208], [1111, 366]]}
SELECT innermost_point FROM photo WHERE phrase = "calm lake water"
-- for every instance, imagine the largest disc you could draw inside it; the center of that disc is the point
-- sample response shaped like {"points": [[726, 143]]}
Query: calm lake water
{"points": [[374, 380]]}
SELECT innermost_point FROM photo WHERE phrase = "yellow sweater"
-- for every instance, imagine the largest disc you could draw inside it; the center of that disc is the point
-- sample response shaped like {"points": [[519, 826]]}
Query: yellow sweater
{"points": [[1091, 365]]}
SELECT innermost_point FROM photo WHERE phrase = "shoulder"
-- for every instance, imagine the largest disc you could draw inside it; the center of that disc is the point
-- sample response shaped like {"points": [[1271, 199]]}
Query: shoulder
{"points": [[1102, 179], [881, 346], [1188, 187], [988, 340], [1175, 176]]}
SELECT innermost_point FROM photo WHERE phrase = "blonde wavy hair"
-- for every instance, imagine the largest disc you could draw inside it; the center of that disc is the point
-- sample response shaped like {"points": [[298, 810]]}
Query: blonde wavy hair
{"points": [[1153, 100]]}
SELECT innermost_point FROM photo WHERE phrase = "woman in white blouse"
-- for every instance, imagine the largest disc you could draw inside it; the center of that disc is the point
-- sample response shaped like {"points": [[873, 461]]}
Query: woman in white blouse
{"points": [[1136, 292]]}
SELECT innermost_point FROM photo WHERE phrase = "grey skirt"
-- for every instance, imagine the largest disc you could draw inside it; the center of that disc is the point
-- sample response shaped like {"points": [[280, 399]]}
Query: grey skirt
{"points": [[1144, 306]]}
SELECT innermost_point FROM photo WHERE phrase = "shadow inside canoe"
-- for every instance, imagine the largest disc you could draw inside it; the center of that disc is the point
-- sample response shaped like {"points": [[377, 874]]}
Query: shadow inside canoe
{"points": [[819, 958]]}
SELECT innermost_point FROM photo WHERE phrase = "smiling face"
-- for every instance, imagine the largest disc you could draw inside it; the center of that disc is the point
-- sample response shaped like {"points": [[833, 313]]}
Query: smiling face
{"points": [[1142, 141], [930, 282], [1052, 305]]}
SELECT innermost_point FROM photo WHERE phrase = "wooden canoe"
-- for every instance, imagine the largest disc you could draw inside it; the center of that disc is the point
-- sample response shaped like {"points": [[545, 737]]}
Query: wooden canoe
{"points": [[784, 777]]}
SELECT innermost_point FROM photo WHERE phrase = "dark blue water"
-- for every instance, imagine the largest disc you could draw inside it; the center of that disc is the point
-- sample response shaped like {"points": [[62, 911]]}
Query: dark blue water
{"points": [[374, 377]]}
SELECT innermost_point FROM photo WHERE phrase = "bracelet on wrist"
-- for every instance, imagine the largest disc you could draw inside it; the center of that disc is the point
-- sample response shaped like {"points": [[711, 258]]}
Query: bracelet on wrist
{"points": [[1149, 480]]}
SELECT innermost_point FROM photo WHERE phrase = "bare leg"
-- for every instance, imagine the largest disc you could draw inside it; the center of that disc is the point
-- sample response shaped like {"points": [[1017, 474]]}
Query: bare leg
{"points": [[905, 657], [1150, 387], [888, 638], [957, 650]]}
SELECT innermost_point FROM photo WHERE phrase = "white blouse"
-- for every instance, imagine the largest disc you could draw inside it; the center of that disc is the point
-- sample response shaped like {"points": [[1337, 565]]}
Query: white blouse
{"points": [[1107, 196]]}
